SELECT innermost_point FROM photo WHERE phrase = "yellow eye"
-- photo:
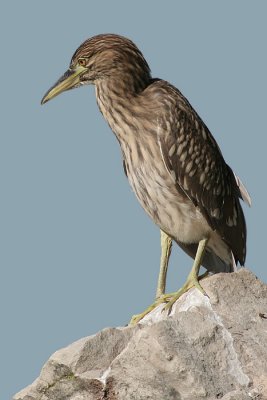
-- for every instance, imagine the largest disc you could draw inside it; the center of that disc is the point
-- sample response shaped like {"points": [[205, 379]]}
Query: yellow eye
{"points": [[82, 62]]}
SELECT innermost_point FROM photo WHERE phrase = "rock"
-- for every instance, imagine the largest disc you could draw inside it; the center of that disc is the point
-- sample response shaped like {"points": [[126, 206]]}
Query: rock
{"points": [[207, 348]]}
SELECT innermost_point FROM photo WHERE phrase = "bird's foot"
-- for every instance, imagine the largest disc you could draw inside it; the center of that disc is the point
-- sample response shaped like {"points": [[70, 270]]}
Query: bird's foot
{"points": [[162, 299], [192, 281], [170, 298]]}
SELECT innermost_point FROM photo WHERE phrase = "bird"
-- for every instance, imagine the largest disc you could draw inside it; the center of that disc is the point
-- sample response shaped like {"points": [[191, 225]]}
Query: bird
{"points": [[172, 161]]}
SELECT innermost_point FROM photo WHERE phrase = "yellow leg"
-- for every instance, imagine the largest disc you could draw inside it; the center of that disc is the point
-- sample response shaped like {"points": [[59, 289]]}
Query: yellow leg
{"points": [[191, 281], [166, 247]]}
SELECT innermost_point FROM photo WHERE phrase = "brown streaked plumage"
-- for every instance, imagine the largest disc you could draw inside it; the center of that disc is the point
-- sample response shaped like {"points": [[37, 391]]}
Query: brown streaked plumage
{"points": [[172, 161]]}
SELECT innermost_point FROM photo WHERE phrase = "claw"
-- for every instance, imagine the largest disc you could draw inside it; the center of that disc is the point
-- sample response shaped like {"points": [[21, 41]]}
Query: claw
{"points": [[171, 298]]}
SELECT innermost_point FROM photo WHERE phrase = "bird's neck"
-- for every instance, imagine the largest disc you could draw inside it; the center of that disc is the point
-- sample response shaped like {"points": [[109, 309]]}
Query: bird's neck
{"points": [[116, 99]]}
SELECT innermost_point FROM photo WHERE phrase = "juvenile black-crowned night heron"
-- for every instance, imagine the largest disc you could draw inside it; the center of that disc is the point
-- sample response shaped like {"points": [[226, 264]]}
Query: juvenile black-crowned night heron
{"points": [[172, 161]]}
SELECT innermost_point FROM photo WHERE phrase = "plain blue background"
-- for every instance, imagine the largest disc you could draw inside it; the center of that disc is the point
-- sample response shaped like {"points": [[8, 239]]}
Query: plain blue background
{"points": [[77, 251]]}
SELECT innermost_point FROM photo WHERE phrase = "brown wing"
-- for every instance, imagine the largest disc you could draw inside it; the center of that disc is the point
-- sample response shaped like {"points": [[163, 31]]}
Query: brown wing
{"points": [[194, 160]]}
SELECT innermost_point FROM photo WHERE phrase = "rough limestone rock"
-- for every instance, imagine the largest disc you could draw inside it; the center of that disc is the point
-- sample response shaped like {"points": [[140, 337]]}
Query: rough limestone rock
{"points": [[207, 348]]}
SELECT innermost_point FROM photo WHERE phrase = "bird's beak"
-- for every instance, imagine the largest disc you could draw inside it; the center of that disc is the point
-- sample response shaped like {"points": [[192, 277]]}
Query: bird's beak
{"points": [[69, 80]]}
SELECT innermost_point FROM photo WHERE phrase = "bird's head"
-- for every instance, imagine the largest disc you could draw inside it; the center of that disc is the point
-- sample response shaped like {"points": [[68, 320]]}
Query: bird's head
{"points": [[102, 57]]}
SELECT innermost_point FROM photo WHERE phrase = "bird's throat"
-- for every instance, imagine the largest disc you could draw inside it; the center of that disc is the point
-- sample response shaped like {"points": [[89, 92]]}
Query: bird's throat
{"points": [[116, 101]]}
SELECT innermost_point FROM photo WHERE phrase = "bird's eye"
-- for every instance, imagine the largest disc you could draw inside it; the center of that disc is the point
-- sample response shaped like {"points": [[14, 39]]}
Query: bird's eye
{"points": [[82, 62]]}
